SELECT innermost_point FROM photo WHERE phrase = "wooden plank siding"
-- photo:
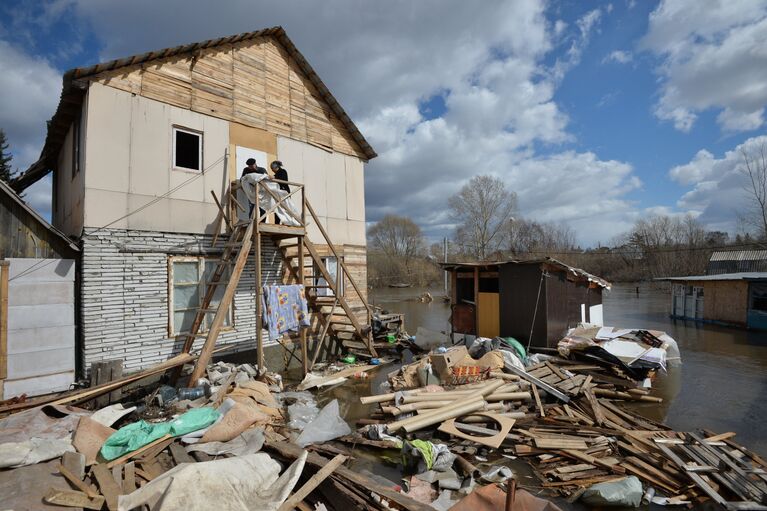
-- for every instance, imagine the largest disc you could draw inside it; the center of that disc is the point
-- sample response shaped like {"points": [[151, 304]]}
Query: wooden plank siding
{"points": [[253, 82], [21, 235]]}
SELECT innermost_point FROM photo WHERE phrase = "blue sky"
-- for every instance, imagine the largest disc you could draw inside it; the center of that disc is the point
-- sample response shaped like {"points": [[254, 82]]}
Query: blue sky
{"points": [[596, 114]]}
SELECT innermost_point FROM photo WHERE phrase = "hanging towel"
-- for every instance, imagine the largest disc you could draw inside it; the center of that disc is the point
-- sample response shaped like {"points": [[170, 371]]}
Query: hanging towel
{"points": [[284, 308]]}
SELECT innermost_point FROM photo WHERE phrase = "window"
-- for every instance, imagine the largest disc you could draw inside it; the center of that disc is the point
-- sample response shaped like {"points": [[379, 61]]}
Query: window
{"points": [[187, 149], [331, 264], [189, 277], [758, 297], [76, 144]]}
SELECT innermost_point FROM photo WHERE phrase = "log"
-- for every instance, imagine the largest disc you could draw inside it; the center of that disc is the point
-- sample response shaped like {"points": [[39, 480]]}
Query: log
{"points": [[294, 500]]}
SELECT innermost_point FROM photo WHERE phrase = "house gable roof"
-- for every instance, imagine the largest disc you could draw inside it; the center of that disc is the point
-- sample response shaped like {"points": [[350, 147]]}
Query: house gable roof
{"points": [[75, 85]]}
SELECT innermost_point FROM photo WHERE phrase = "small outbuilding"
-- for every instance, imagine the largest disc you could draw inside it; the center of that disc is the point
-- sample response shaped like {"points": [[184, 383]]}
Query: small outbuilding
{"points": [[37, 301], [733, 299], [528, 300]]}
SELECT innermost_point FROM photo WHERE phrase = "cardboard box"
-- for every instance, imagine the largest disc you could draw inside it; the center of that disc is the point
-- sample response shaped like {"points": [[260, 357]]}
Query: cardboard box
{"points": [[442, 362]]}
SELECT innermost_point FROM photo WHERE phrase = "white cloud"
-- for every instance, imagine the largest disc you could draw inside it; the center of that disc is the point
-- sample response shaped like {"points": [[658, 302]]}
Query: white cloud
{"points": [[618, 56], [383, 59], [718, 185], [29, 92], [713, 57]]}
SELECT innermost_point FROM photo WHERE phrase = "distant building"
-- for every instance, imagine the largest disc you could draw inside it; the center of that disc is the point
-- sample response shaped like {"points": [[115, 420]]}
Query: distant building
{"points": [[536, 300], [736, 261], [735, 299]]}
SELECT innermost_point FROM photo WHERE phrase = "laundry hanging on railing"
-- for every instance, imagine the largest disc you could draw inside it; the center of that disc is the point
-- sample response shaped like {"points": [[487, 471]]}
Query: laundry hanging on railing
{"points": [[266, 201], [284, 309]]}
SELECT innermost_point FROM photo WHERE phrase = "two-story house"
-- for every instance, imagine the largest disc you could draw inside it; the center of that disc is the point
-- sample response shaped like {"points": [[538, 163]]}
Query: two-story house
{"points": [[137, 145]]}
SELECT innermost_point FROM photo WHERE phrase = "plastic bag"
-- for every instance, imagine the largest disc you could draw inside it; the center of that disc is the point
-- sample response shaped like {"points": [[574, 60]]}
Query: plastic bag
{"points": [[326, 426], [138, 434], [624, 492]]}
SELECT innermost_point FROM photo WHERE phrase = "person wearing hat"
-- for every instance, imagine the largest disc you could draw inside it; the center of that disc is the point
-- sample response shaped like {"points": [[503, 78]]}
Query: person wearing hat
{"points": [[280, 174], [252, 168]]}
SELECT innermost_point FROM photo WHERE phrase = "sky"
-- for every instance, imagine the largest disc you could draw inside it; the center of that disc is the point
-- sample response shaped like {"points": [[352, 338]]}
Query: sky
{"points": [[596, 114]]}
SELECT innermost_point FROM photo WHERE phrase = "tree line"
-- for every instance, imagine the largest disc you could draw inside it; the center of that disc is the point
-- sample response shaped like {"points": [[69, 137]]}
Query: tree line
{"points": [[489, 228]]}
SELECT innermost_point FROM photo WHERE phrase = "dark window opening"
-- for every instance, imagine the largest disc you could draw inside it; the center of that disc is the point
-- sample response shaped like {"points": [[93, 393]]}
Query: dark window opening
{"points": [[187, 150], [488, 285], [759, 297]]}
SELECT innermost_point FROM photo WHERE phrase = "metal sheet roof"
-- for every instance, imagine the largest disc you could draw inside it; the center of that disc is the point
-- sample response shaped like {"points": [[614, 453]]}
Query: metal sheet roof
{"points": [[746, 275], [548, 260], [739, 255]]}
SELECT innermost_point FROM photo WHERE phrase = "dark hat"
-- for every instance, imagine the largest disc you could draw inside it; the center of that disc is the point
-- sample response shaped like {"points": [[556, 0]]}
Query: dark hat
{"points": [[250, 161]]}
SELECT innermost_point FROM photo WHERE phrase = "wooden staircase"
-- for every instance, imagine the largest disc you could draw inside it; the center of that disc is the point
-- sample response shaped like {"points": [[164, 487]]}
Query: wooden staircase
{"points": [[337, 317]]}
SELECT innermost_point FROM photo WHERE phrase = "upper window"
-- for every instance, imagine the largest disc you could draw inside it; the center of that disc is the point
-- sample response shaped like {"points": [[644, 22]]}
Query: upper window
{"points": [[187, 149]]}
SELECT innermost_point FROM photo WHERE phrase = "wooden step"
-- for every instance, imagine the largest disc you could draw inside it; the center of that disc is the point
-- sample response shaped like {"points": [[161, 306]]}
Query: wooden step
{"points": [[340, 327]]}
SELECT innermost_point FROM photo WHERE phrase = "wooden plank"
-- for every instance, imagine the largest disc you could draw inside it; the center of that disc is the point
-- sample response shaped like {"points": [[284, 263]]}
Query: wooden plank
{"points": [[126, 457], [564, 443], [129, 482], [720, 437], [697, 479], [312, 483], [538, 403], [179, 454], [223, 307], [292, 451], [69, 498], [109, 488], [78, 482], [599, 415]]}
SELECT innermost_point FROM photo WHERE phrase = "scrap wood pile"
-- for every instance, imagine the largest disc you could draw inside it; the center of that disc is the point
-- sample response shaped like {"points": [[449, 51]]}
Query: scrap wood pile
{"points": [[566, 416], [237, 441]]}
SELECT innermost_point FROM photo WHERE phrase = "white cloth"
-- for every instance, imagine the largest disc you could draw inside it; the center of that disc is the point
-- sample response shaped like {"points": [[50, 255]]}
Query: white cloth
{"points": [[265, 199], [241, 483]]}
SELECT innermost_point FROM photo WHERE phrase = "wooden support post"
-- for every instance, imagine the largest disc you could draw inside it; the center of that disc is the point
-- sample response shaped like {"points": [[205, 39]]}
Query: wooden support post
{"points": [[4, 270], [304, 352], [255, 218]]}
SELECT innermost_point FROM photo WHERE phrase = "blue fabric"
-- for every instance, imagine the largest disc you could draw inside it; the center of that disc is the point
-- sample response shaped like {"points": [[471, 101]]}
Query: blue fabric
{"points": [[284, 308]]}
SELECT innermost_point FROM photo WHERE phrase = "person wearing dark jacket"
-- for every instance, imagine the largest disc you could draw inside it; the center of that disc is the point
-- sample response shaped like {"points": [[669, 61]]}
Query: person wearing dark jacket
{"points": [[252, 168], [280, 174]]}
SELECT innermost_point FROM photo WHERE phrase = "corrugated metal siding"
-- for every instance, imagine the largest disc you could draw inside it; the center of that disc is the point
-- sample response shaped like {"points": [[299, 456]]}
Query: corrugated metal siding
{"points": [[735, 261]]}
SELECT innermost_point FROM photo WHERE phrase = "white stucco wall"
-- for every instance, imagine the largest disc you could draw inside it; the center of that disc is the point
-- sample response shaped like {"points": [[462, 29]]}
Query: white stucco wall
{"points": [[129, 162], [335, 187], [68, 212]]}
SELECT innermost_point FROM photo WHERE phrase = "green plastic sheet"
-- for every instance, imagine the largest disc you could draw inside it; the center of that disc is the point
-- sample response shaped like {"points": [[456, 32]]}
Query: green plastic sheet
{"points": [[512, 342], [138, 434]]}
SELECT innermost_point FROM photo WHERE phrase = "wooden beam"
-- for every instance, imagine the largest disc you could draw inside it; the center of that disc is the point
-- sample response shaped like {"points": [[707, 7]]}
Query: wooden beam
{"points": [[4, 270], [476, 301], [312, 483], [223, 308], [259, 289]]}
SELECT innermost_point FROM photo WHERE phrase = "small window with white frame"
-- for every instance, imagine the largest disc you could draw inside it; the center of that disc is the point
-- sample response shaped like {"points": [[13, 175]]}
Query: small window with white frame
{"points": [[188, 281], [187, 149]]}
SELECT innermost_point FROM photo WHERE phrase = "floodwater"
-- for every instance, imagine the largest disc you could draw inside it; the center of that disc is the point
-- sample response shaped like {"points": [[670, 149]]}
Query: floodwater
{"points": [[721, 385]]}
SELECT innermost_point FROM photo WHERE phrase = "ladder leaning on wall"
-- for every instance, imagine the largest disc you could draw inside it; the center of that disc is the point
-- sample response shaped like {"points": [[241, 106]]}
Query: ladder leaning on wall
{"points": [[338, 319]]}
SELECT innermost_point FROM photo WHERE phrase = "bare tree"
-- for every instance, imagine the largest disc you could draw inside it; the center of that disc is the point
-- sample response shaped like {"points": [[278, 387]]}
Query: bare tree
{"points": [[398, 237], [755, 169], [483, 207], [531, 239]]}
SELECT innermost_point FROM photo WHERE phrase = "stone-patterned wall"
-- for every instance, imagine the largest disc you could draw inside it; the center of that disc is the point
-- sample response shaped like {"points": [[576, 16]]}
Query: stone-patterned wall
{"points": [[125, 297]]}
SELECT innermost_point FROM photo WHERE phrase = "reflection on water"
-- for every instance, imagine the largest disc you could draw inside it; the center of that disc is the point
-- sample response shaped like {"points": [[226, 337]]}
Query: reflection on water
{"points": [[722, 384]]}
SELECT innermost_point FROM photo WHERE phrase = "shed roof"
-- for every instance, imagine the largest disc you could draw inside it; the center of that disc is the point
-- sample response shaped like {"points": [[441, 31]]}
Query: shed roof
{"points": [[739, 255], [548, 260], [73, 91], [12, 195], [744, 275]]}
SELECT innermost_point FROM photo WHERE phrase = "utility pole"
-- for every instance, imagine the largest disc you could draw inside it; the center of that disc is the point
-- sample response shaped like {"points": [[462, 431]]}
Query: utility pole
{"points": [[444, 245]]}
